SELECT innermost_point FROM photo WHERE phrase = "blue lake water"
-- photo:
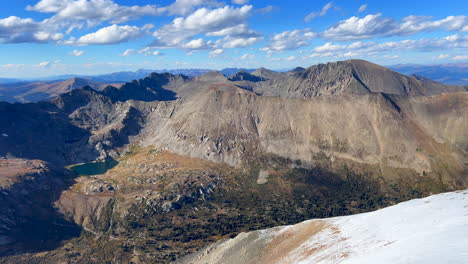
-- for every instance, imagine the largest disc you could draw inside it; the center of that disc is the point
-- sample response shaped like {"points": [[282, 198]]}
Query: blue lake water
{"points": [[94, 168]]}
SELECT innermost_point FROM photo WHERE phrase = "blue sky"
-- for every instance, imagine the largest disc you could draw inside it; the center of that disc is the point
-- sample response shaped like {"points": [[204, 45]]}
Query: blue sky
{"points": [[52, 37]]}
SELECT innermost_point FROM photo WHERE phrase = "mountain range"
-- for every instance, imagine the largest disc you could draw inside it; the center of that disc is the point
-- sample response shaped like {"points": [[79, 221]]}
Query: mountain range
{"points": [[452, 74], [40, 91], [161, 167]]}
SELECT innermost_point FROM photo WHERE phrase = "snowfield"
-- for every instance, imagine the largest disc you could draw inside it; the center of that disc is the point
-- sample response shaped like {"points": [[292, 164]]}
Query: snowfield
{"points": [[428, 230]]}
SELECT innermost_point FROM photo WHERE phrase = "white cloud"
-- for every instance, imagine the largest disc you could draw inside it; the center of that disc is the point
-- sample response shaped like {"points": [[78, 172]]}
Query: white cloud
{"points": [[247, 57], [391, 56], [149, 51], [375, 25], [216, 52], [237, 30], [362, 8], [240, 2], [264, 10], [146, 51], [127, 52], [290, 58], [93, 12], [195, 44], [18, 30], [184, 7], [43, 36], [443, 56], [202, 21], [322, 12], [69, 15], [460, 57], [109, 35], [237, 42], [360, 28], [44, 64], [351, 54], [289, 40], [423, 44], [77, 53]]}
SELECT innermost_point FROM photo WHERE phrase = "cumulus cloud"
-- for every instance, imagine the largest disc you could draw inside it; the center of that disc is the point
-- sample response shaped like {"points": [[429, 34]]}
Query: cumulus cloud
{"points": [[237, 30], [44, 64], [202, 21], [443, 56], [290, 58], [109, 35], [368, 48], [230, 42], [14, 29], [195, 44], [185, 7], [265, 9], [127, 52], [322, 12], [93, 12], [146, 51], [240, 2], [216, 52], [77, 53], [289, 40], [247, 57], [375, 25], [69, 15], [362, 8]]}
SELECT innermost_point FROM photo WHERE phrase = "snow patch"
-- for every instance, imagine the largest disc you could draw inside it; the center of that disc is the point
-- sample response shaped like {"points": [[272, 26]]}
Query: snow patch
{"points": [[429, 230]]}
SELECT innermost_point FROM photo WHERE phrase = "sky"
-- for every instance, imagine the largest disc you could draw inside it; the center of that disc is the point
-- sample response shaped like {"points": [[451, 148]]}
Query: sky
{"points": [[52, 37]]}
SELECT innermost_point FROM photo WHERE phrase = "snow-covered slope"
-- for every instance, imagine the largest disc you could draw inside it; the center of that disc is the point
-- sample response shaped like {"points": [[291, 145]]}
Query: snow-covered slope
{"points": [[429, 230]]}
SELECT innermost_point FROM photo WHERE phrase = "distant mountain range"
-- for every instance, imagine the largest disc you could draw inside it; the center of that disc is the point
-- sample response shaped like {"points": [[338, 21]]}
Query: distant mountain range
{"points": [[38, 91], [452, 74], [7, 80], [127, 76]]}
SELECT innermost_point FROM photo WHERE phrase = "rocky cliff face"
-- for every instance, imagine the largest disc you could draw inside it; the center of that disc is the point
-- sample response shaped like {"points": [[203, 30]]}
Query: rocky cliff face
{"points": [[232, 125]]}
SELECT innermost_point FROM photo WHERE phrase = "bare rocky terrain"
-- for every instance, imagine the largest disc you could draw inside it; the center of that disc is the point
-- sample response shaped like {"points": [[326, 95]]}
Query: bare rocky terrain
{"points": [[204, 158]]}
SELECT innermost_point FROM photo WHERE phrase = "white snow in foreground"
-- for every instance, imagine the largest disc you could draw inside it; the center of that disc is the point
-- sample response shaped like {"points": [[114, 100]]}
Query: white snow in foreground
{"points": [[429, 230]]}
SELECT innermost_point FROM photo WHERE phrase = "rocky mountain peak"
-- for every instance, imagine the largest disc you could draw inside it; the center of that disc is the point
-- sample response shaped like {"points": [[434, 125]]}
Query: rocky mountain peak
{"points": [[267, 74], [211, 76], [245, 76]]}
